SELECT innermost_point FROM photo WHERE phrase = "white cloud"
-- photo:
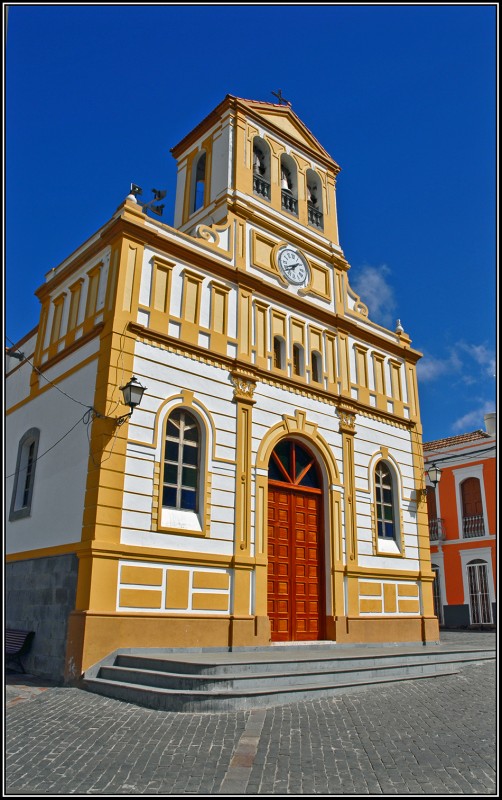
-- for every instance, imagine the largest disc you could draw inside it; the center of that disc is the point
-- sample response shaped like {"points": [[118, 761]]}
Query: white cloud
{"points": [[372, 286], [472, 363], [475, 419], [482, 355]]}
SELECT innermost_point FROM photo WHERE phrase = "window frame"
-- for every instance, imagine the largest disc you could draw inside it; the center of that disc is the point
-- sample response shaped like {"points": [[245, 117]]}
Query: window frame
{"points": [[381, 504], [181, 464], [22, 491], [386, 545]]}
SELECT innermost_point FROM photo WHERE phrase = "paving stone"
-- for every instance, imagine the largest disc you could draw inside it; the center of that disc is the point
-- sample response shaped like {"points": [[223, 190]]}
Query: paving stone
{"points": [[432, 736]]}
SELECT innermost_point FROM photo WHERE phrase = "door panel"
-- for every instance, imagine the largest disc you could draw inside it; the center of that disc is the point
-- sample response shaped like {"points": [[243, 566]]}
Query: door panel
{"points": [[295, 604]]}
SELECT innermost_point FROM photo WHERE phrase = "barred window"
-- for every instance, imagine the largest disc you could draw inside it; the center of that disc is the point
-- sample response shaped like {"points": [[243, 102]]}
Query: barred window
{"points": [[181, 462], [385, 511]]}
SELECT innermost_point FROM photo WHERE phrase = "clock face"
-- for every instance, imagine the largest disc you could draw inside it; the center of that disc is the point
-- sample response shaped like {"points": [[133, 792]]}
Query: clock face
{"points": [[293, 266]]}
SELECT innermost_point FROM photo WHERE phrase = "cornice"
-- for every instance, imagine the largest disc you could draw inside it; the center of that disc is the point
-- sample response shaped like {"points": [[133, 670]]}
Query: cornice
{"points": [[255, 375], [184, 251]]}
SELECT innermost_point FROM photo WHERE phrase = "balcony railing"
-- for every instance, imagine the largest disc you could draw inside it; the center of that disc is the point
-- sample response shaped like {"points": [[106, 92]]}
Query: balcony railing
{"points": [[314, 216], [288, 202], [436, 530], [261, 187], [473, 526]]}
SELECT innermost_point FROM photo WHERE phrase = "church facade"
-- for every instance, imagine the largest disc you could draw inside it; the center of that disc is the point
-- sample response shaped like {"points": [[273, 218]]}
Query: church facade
{"points": [[269, 487]]}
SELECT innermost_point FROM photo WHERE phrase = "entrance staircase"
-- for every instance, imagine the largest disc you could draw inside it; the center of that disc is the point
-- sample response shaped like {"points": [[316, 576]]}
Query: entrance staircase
{"points": [[199, 680]]}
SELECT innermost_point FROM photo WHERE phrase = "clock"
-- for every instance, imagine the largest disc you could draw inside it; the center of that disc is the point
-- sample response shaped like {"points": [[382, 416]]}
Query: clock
{"points": [[293, 265]]}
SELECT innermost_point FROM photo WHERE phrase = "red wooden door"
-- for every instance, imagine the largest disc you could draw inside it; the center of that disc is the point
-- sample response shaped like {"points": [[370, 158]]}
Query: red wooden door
{"points": [[295, 576]]}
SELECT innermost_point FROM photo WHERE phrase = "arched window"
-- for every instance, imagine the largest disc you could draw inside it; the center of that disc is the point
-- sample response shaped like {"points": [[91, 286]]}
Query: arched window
{"points": [[316, 359], [279, 352], [298, 360], [22, 492], [261, 168], [314, 199], [289, 185], [472, 509], [291, 463], [385, 502], [199, 182], [181, 462]]}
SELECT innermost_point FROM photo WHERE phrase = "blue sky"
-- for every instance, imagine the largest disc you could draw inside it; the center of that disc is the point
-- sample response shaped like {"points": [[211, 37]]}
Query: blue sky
{"points": [[402, 97]]}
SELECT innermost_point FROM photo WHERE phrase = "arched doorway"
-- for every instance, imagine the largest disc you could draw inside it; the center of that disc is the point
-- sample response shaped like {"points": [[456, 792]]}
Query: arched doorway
{"points": [[295, 593]]}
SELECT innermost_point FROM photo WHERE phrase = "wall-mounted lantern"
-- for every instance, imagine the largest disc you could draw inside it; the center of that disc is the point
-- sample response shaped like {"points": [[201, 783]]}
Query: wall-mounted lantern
{"points": [[434, 474], [133, 394]]}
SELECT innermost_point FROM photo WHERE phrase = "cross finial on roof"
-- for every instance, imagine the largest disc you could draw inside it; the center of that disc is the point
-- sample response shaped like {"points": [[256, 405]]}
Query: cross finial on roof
{"points": [[282, 100]]}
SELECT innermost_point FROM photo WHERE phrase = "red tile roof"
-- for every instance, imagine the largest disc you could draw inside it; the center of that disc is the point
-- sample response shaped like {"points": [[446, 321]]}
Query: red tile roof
{"points": [[462, 438]]}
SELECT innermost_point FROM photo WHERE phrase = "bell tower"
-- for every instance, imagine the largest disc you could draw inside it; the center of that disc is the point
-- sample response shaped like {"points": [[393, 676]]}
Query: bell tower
{"points": [[257, 160]]}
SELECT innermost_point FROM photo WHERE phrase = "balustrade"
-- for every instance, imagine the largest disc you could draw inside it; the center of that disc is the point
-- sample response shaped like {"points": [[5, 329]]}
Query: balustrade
{"points": [[473, 526], [261, 187], [288, 202], [437, 530], [314, 216]]}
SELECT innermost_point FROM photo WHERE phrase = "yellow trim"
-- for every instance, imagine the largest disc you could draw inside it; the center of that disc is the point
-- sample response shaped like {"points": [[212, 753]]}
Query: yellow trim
{"points": [[370, 588], [244, 317], [211, 602], [389, 598], [261, 326], [57, 318], [45, 552], [191, 299], [140, 598], [408, 606], [177, 588], [244, 413], [160, 303], [407, 590], [93, 276], [151, 576], [370, 606], [211, 580]]}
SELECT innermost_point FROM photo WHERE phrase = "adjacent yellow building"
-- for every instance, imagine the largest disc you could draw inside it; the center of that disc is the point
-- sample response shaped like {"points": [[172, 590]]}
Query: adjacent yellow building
{"points": [[269, 487]]}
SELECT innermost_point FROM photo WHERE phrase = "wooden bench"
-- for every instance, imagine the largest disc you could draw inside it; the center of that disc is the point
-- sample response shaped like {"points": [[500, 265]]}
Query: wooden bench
{"points": [[17, 643]]}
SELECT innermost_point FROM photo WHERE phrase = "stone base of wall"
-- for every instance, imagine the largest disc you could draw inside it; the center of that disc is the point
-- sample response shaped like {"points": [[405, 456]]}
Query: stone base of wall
{"points": [[459, 617], [40, 595]]}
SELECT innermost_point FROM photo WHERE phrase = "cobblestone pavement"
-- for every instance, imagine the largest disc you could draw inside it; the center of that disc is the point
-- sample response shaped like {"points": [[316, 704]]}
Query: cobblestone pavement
{"points": [[432, 736]]}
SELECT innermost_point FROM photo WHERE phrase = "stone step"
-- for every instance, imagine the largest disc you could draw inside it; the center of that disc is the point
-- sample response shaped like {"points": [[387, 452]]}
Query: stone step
{"points": [[229, 663], [233, 700], [249, 680], [219, 679]]}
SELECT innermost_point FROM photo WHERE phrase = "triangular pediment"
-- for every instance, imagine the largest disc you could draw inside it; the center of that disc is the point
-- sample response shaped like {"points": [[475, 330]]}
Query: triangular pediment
{"points": [[284, 120]]}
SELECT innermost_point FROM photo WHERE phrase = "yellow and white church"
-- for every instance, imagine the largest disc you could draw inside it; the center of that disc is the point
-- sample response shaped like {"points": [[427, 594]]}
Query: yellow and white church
{"points": [[269, 487]]}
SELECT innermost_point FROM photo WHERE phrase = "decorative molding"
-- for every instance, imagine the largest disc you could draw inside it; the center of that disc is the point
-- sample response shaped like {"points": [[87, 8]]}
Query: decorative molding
{"points": [[347, 417], [244, 385]]}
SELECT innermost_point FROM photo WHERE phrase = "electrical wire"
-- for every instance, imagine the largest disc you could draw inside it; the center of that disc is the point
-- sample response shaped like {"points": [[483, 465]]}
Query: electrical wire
{"points": [[82, 419], [461, 456], [85, 405]]}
